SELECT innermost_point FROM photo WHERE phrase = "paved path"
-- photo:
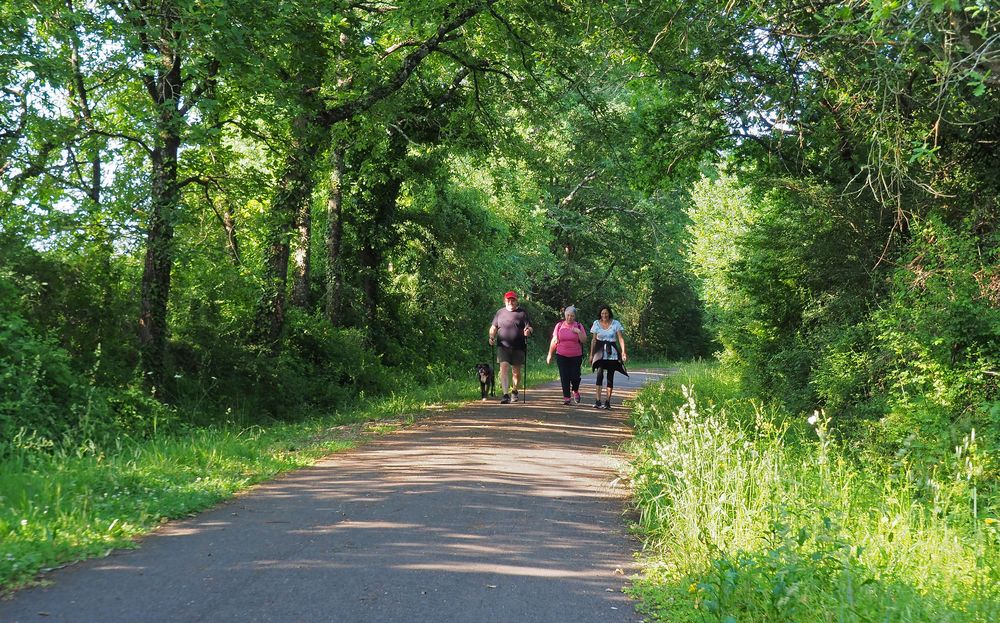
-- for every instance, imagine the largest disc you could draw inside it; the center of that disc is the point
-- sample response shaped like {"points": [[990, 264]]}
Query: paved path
{"points": [[492, 513]]}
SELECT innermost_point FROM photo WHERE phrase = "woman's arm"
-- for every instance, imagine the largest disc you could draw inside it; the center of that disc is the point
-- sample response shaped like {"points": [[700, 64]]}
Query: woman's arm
{"points": [[582, 334], [621, 342], [553, 343]]}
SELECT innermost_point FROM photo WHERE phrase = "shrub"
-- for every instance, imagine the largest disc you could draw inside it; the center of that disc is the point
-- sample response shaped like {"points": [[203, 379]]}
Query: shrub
{"points": [[940, 334], [37, 388]]}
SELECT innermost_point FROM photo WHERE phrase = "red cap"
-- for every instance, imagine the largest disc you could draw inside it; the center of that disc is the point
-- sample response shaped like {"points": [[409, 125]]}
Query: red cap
{"points": [[510, 295]]}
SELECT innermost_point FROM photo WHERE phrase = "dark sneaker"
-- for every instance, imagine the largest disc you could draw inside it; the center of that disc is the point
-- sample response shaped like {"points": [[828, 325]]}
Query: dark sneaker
{"points": [[513, 397], [505, 400], [576, 397], [597, 404], [607, 404]]}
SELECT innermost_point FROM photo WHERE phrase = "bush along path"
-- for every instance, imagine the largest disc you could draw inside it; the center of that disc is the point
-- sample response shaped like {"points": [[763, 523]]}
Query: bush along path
{"points": [[490, 513]]}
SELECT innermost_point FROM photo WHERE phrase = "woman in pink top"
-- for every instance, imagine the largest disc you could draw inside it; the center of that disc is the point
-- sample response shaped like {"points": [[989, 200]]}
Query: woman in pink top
{"points": [[568, 338]]}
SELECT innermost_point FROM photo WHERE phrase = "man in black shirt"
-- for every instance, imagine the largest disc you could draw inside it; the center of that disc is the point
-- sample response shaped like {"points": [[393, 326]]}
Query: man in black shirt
{"points": [[510, 326]]}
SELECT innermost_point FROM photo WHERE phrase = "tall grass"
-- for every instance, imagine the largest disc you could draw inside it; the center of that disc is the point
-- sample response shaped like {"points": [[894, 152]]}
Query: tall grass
{"points": [[59, 505], [750, 514]]}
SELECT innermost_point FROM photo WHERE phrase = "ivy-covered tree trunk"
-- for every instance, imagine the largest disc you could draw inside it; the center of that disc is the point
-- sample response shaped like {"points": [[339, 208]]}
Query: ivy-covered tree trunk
{"points": [[155, 293], [165, 89], [334, 238], [301, 261]]}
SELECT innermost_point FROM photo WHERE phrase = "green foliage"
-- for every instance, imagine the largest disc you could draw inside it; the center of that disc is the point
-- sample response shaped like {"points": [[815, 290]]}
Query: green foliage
{"points": [[458, 185], [780, 277], [46, 404], [37, 384], [751, 514], [843, 132], [810, 314], [939, 331], [812, 189], [319, 356]]}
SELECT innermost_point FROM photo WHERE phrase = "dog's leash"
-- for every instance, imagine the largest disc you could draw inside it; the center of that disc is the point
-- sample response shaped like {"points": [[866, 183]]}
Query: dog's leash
{"points": [[493, 369]]}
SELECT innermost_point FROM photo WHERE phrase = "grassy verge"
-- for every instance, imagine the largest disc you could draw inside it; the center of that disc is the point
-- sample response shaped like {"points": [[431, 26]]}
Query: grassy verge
{"points": [[749, 513], [65, 506]]}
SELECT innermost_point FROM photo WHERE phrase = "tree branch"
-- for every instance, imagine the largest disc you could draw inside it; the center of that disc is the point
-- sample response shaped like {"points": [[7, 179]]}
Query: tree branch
{"points": [[410, 63], [402, 44], [979, 49], [125, 137], [374, 8], [206, 85], [228, 226], [23, 121], [481, 66], [568, 199]]}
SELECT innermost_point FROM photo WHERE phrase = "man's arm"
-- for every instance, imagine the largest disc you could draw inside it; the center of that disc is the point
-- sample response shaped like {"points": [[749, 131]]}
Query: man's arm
{"points": [[493, 330]]}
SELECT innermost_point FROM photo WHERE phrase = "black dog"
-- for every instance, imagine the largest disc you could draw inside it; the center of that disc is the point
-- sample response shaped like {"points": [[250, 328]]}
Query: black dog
{"points": [[485, 373]]}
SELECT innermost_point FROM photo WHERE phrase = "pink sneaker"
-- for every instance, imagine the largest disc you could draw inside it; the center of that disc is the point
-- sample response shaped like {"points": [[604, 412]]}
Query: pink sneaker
{"points": [[576, 397]]}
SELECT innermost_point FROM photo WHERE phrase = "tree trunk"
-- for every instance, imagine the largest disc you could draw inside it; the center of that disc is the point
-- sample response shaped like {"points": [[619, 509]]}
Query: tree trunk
{"points": [[377, 235], [294, 189], [301, 268], [566, 281], [334, 238], [155, 293], [370, 259], [232, 242]]}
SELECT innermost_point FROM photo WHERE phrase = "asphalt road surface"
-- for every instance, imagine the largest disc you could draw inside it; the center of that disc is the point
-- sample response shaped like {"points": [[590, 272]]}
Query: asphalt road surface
{"points": [[488, 514]]}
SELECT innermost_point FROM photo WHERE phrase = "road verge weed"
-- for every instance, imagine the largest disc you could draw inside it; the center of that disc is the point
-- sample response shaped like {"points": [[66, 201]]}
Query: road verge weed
{"points": [[748, 513]]}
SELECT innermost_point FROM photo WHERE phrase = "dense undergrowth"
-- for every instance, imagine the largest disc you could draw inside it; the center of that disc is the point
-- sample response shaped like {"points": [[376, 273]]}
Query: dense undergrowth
{"points": [[751, 513]]}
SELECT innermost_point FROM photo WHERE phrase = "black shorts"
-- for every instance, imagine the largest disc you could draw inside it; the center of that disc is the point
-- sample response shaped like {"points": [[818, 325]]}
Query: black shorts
{"points": [[513, 356]]}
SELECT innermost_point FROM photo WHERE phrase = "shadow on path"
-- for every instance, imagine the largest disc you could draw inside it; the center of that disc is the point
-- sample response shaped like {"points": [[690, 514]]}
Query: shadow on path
{"points": [[492, 513]]}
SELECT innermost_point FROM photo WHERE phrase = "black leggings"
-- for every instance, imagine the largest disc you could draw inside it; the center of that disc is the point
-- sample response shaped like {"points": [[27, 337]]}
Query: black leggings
{"points": [[612, 366], [569, 373]]}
